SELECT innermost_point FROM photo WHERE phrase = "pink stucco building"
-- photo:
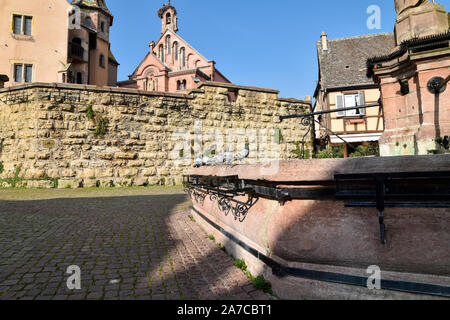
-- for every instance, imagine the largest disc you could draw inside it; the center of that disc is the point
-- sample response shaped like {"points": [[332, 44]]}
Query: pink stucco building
{"points": [[172, 65]]}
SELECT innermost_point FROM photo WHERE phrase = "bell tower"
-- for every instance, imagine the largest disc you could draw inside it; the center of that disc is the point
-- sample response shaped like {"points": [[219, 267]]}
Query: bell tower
{"points": [[168, 16]]}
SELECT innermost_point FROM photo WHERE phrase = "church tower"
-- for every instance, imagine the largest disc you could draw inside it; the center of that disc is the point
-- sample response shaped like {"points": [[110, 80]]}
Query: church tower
{"points": [[90, 56], [168, 16]]}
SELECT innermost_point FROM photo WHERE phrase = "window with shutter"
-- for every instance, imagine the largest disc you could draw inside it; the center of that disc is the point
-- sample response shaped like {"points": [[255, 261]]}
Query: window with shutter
{"points": [[351, 100], [27, 26], [340, 105], [17, 24], [28, 73], [361, 102]]}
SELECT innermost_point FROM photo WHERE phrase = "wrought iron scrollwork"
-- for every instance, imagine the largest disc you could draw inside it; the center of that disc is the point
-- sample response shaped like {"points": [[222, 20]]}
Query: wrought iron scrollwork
{"points": [[224, 191]]}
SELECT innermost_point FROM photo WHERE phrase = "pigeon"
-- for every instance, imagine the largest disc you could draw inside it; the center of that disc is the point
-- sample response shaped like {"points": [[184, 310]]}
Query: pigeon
{"points": [[198, 162], [228, 157], [207, 161], [219, 159], [243, 154]]}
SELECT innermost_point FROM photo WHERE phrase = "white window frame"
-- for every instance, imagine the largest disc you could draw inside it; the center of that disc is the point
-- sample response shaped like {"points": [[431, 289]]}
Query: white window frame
{"points": [[341, 103]]}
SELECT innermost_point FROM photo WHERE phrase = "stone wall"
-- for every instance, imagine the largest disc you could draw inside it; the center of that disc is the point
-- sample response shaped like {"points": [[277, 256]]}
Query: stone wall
{"points": [[53, 133]]}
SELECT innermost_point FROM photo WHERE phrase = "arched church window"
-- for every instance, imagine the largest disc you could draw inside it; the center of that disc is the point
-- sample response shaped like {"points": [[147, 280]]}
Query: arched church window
{"points": [[183, 57], [184, 84], [168, 45], [168, 18], [178, 85], [175, 49], [161, 52]]}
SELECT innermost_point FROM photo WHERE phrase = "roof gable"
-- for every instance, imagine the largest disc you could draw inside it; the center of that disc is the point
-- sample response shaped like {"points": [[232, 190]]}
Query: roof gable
{"points": [[180, 40], [344, 63]]}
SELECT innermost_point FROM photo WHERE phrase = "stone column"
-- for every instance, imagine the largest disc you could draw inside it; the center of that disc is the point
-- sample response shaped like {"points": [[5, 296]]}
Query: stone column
{"points": [[419, 19]]}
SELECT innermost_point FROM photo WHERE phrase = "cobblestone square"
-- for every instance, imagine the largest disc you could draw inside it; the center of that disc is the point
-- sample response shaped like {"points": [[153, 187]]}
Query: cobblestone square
{"points": [[132, 243]]}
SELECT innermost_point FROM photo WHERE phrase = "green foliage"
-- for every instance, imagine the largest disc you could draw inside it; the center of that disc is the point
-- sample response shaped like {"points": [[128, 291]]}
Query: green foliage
{"points": [[298, 151], [102, 125], [163, 181], [181, 154], [2, 168], [211, 237], [13, 181], [280, 136], [331, 153], [90, 114], [54, 180], [371, 149], [442, 144], [240, 264], [261, 284]]}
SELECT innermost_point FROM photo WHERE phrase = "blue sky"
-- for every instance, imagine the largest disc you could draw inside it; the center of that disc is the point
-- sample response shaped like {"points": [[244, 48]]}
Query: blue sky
{"points": [[254, 42]]}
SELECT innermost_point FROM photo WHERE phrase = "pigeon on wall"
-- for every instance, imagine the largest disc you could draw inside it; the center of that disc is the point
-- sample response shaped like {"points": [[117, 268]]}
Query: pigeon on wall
{"points": [[243, 154], [219, 159], [228, 156], [198, 162], [207, 161]]}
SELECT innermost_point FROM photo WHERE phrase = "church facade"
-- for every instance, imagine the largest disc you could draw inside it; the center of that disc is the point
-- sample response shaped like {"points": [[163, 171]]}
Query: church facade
{"points": [[172, 65]]}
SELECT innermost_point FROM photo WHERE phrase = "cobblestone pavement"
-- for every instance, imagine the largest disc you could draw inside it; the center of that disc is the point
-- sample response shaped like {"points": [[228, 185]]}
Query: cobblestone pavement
{"points": [[129, 244]]}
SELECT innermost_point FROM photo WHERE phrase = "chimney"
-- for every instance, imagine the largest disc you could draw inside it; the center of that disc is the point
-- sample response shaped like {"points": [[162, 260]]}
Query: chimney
{"points": [[324, 41]]}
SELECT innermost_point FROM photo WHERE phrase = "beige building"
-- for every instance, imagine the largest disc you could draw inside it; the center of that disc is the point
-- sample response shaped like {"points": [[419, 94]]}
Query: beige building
{"points": [[33, 40], [51, 41], [343, 83]]}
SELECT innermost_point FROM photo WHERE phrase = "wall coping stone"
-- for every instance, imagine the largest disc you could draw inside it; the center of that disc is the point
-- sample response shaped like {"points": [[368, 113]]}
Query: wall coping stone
{"points": [[147, 93], [322, 170], [94, 89], [235, 86]]}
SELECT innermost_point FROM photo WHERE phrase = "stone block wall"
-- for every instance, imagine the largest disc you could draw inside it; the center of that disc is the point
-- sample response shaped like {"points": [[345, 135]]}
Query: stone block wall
{"points": [[52, 134]]}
